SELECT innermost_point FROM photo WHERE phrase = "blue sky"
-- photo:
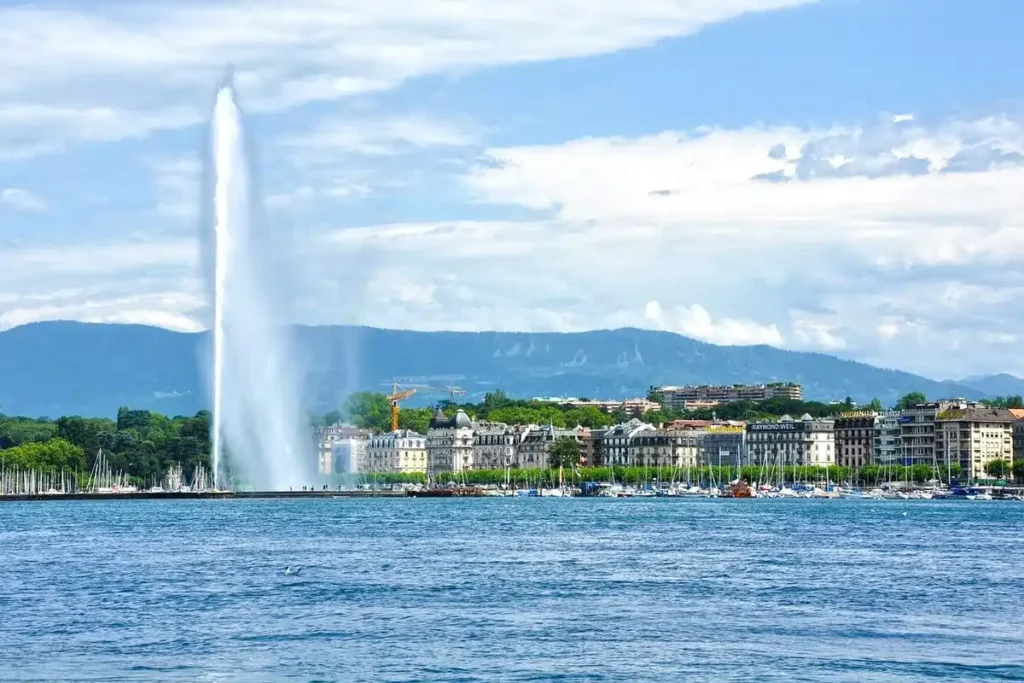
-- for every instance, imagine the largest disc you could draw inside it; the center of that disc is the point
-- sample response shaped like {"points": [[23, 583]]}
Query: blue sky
{"points": [[834, 175]]}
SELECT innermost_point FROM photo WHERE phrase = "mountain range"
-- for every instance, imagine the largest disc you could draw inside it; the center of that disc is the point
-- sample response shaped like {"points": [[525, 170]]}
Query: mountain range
{"points": [[65, 368]]}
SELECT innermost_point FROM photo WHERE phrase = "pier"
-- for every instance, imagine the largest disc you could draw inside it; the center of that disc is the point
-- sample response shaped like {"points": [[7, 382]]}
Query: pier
{"points": [[202, 495]]}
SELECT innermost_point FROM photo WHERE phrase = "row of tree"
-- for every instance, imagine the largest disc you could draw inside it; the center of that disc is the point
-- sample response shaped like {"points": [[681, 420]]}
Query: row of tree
{"points": [[371, 410], [140, 443]]}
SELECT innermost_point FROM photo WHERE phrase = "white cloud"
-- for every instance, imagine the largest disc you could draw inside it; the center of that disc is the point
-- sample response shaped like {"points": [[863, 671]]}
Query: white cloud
{"points": [[376, 137], [695, 321], [21, 200], [110, 71], [674, 231]]}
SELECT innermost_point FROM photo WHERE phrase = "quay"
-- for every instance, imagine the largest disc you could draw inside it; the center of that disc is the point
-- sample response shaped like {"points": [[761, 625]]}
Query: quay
{"points": [[204, 495]]}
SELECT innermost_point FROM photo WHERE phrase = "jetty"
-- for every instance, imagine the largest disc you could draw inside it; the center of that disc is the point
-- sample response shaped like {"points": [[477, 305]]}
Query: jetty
{"points": [[202, 495]]}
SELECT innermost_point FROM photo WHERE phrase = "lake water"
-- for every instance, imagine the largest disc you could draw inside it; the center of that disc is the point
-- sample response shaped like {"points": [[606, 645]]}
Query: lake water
{"points": [[511, 589]]}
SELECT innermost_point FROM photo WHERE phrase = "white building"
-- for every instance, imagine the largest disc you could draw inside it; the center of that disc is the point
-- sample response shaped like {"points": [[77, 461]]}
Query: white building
{"points": [[973, 437], [495, 445], [615, 442], [532, 452], [348, 455], [449, 444], [350, 438], [401, 451], [806, 441]]}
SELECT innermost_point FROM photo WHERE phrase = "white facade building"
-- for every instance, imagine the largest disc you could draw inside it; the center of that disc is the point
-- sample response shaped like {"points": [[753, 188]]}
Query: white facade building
{"points": [[449, 444], [348, 455], [616, 440], [402, 451], [806, 441]]}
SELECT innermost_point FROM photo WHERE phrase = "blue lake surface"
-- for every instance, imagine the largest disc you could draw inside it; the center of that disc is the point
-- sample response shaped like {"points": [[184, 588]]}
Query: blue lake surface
{"points": [[512, 589]]}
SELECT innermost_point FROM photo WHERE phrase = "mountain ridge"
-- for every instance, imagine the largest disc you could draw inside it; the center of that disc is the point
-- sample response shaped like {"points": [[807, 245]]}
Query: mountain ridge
{"points": [[63, 367]]}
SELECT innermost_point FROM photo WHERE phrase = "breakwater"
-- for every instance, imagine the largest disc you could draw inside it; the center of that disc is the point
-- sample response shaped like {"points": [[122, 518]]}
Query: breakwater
{"points": [[203, 495]]}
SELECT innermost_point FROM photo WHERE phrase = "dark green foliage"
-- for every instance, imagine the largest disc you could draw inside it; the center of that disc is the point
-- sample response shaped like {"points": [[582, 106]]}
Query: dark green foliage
{"points": [[565, 452], [140, 443]]}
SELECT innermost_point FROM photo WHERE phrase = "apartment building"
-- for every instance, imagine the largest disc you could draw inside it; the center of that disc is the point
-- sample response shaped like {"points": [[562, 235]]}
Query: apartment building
{"points": [[633, 407], [806, 441], [664, 448], [855, 439], [326, 437], [403, 451], [348, 455], [495, 445], [973, 437], [917, 429], [724, 445], [615, 442], [887, 448], [677, 397], [536, 444], [449, 443]]}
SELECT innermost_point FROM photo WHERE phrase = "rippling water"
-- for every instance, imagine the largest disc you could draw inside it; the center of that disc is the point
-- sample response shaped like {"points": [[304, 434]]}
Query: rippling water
{"points": [[511, 589]]}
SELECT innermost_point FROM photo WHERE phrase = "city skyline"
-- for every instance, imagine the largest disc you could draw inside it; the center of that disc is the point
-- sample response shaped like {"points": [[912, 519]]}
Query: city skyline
{"points": [[453, 167]]}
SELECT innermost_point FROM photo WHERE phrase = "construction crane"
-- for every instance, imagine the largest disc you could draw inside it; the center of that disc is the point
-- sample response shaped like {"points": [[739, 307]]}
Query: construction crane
{"points": [[400, 393]]}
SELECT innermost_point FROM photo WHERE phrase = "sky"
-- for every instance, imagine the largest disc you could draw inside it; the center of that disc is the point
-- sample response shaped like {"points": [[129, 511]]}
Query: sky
{"points": [[842, 176]]}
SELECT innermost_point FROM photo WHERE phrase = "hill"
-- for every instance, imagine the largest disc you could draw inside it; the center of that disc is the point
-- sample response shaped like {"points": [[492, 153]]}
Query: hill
{"points": [[58, 368]]}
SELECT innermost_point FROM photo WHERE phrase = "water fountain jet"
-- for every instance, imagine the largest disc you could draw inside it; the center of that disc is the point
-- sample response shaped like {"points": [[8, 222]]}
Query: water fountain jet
{"points": [[256, 417]]}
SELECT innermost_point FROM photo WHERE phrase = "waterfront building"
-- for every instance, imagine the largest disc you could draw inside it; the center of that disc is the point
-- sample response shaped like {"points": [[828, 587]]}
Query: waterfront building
{"points": [[592, 444], [973, 437], [449, 443], [616, 440], [664, 448], [348, 455], [917, 429], [536, 444], [855, 439], [724, 445], [677, 397], [403, 451], [494, 445], [887, 446], [807, 441], [325, 439], [1018, 433]]}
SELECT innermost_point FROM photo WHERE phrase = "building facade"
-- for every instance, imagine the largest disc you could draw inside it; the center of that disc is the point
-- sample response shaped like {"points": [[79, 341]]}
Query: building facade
{"points": [[348, 455], [807, 441], [494, 445], [615, 442], [917, 429], [403, 451], [664, 448], [677, 397], [888, 448], [724, 445], [325, 439], [536, 444], [855, 439], [449, 444], [972, 438]]}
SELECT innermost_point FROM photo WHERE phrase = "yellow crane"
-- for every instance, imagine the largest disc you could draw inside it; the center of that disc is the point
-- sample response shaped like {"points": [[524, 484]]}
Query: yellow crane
{"points": [[400, 393]]}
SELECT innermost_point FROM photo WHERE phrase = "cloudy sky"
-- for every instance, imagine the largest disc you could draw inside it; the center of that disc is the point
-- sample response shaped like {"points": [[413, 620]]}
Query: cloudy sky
{"points": [[836, 175]]}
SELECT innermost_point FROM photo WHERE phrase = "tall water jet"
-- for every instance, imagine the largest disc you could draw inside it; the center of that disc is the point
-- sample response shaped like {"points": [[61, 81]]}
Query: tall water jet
{"points": [[257, 422]]}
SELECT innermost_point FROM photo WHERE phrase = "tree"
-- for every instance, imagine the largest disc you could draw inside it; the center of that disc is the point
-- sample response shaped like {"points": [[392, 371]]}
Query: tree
{"points": [[369, 410], [875, 405], [911, 400], [998, 469], [1018, 470], [848, 402], [565, 452]]}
